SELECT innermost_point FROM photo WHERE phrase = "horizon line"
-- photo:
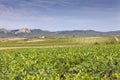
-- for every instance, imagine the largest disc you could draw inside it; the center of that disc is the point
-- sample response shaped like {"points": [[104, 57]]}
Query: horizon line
{"points": [[60, 30]]}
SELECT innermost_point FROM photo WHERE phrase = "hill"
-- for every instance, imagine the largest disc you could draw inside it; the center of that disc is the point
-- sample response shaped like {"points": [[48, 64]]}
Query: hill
{"points": [[25, 32]]}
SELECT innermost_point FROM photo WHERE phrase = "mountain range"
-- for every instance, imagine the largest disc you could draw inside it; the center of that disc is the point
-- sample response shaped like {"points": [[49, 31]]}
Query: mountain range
{"points": [[25, 32]]}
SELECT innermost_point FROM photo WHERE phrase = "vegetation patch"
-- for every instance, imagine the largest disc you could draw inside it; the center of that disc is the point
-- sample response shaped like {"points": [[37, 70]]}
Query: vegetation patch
{"points": [[98, 62]]}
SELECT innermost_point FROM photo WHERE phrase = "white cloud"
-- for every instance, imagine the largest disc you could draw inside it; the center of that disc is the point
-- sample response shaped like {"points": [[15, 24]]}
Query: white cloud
{"points": [[43, 13]]}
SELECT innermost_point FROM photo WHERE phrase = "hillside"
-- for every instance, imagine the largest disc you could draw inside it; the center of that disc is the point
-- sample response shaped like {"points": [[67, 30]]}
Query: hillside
{"points": [[25, 32]]}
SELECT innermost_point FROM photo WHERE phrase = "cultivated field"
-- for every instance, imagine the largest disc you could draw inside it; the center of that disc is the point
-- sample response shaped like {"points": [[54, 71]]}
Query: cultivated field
{"points": [[84, 58], [100, 62], [16, 42]]}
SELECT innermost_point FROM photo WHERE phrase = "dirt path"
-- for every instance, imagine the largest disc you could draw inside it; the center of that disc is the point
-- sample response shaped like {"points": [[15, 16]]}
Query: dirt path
{"points": [[2, 48]]}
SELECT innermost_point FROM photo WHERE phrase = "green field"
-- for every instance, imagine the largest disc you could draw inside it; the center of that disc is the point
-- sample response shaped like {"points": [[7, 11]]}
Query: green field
{"points": [[98, 62], [58, 41]]}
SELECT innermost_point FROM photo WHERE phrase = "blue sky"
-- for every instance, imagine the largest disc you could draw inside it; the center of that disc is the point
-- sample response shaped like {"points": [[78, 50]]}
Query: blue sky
{"points": [[56, 15]]}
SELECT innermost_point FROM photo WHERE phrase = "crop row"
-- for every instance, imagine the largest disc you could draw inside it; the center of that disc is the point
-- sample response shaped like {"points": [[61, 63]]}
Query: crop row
{"points": [[100, 62]]}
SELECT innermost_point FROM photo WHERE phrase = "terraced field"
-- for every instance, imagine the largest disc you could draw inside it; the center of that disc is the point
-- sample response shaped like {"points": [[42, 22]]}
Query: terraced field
{"points": [[97, 62]]}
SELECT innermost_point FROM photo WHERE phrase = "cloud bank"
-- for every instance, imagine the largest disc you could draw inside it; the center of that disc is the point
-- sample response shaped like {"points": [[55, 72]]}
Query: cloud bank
{"points": [[60, 14]]}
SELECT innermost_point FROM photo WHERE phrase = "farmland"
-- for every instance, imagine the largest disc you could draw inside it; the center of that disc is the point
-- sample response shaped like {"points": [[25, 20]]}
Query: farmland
{"points": [[17, 42], [94, 62]]}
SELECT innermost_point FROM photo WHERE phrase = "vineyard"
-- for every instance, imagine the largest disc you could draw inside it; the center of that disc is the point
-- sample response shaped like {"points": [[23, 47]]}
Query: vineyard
{"points": [[98, 62]]}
